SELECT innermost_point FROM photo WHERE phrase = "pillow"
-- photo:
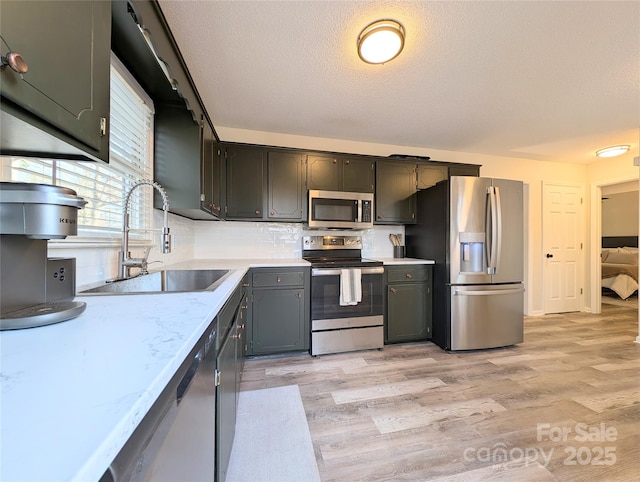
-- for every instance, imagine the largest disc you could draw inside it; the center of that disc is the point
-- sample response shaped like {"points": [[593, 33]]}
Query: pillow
{"points": [[604, 254], [622, 258], [627, 249]]}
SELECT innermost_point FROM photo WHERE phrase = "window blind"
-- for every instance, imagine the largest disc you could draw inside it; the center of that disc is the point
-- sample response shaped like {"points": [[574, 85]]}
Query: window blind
{"points": [[104, 186]]}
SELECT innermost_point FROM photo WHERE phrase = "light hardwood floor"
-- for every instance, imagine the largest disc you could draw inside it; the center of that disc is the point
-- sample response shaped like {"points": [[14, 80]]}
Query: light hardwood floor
{"points": [[522, 413]]}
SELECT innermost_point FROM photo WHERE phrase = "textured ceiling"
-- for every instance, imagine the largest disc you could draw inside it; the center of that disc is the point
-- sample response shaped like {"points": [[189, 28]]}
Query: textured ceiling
{"points": [[541, 80]]}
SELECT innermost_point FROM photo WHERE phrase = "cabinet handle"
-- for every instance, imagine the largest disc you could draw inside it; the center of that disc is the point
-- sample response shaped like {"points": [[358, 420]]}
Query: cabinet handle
{"points": [[15, 61], [245, 285], [299, 295], [409, 275], [393, 290], [278, 279]]}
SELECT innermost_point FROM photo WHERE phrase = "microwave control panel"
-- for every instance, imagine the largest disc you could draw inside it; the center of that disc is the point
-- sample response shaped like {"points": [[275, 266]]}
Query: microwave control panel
{"points": [[366, 211]]}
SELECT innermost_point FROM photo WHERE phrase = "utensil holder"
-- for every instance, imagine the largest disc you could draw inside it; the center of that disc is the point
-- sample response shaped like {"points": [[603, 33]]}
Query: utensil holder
{"points": [[398, 251]]}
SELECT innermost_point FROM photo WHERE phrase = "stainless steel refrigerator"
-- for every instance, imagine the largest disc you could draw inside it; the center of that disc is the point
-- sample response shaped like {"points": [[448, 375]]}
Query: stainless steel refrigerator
{"points": [[472, 227]]}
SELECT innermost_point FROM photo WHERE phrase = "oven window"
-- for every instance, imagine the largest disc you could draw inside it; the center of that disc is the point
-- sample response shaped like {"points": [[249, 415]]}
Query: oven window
{"points": [[334, 209], [325, 298]]}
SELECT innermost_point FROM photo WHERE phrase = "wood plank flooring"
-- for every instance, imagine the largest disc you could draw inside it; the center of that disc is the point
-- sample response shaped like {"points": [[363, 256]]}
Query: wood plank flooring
{"points": [[563, 405]]}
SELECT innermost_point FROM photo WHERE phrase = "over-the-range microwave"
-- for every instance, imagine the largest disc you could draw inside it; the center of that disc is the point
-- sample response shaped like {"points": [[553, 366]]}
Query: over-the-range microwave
{"points": [[340, 210]]}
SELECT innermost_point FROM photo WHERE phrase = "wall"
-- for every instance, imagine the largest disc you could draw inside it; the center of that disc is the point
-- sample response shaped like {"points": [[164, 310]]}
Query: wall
{"points": [[620, 214], [243, 240]]}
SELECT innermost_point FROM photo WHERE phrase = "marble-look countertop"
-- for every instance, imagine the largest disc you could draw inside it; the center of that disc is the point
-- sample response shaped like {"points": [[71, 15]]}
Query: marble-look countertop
{"points": [[73, 393], [398, 261]]}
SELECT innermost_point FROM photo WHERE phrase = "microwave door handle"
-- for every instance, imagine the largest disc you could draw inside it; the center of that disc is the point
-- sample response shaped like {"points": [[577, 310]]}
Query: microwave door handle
{"points": [[358, 211]]}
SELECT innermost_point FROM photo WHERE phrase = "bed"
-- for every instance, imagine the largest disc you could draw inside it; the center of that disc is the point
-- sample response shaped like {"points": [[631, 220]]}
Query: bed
{"points": [[620, 265]]}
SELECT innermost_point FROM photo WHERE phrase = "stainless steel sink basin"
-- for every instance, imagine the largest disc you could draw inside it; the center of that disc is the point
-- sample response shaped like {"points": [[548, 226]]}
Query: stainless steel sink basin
{"points": [[170, 280]]}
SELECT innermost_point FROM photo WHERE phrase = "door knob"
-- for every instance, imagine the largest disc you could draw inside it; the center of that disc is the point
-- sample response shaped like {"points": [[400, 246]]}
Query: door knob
{"points": [[549, 255], [15, 61]]}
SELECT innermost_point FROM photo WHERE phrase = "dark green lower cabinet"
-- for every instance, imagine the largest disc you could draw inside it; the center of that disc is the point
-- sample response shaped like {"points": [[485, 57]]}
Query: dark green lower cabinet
{"points": [[408, 303], [228, 374], [226, 404], [279, 307]]}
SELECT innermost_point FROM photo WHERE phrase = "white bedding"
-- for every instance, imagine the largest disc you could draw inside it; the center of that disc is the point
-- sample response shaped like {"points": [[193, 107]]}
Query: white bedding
{"points": [[624, 285]]}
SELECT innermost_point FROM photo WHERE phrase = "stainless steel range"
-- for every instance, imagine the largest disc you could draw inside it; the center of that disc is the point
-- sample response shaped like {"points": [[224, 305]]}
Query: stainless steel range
{"points": [[346, 295]]}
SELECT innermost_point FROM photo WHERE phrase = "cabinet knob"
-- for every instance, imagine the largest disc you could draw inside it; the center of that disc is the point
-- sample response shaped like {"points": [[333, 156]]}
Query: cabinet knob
{"points": [[15, 61], [409, 275], [278, 279], [257, 211], [347, 162], [272, 213], [299, 295], [335, 161], [393, 290]]}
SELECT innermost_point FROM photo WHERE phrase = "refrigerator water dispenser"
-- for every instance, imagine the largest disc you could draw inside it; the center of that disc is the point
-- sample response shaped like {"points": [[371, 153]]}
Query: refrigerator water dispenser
{"points": [[472, 252]]}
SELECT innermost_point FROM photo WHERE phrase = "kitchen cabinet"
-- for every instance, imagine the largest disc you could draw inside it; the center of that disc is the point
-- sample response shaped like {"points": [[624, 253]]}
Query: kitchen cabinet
{"points": [[280, 313], [211, 172], [228, 374], [339, 173], [286, 194], [395, 201], [408, 303], [429, 174], [245, 166], [61, 102]]}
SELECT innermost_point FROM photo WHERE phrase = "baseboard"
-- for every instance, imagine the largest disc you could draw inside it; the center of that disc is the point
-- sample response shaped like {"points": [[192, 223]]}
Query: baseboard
{"points": [[535, 313]]}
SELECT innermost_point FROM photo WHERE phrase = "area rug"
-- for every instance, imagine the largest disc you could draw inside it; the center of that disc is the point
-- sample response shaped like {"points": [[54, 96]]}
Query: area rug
{"points": [[272, 441]]}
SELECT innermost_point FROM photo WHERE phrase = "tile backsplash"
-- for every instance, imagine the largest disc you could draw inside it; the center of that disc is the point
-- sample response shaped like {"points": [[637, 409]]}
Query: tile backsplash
{"points": [[211, 240]]}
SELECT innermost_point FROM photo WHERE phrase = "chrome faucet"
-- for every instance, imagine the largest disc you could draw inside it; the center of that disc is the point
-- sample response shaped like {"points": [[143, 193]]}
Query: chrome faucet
{"points": [[125, 262]]}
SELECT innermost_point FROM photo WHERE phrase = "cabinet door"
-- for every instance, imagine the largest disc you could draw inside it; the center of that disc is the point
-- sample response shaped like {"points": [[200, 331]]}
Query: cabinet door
{"points": [[66, 45], [245, 179], [278, 323], [286, 194], [209, 154], [323, 172], [464, 170], [358, 175], [431, 175], [406, 312], [226, 404], [395, 200]]}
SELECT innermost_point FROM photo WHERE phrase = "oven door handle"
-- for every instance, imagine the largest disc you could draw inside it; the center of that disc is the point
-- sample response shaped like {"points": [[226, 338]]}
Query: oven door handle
{"points": [[336, 271]]}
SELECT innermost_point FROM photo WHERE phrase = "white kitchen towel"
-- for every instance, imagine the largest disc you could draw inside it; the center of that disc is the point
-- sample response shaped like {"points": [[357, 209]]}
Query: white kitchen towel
{"points": [[350, 286]]}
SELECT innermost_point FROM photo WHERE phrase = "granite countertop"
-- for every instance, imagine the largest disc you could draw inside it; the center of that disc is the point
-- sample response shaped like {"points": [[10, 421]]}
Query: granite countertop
{"points": [[73, 393]]}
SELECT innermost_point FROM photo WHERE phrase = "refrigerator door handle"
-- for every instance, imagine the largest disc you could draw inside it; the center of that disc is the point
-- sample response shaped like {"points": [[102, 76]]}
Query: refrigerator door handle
{"points": [[458, 291], [497, 241], [492, 216]]}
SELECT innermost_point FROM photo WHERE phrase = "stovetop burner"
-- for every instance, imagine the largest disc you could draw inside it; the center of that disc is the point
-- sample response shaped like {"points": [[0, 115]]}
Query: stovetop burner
{"points": [[335, 252], [342, 262]]}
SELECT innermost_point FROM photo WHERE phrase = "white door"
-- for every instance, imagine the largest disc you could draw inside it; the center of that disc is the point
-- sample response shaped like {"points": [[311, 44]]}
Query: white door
{"points": [[562, 248]]}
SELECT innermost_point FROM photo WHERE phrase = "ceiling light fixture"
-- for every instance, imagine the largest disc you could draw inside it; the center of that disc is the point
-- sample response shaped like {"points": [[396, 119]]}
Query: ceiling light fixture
{"points": [[612, 151], [381, 41]]}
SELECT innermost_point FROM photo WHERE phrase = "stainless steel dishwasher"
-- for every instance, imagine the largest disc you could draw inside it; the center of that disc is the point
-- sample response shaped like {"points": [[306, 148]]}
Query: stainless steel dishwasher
{"points": [[176, 439]]}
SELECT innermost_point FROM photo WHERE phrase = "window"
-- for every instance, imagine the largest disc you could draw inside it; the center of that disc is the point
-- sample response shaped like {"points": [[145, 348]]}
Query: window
{"points": [[104, 186]]}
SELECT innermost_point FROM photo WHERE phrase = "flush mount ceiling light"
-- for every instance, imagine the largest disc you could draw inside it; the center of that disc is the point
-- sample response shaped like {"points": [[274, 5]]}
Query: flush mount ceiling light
{"points": [[381, 41], [612, 151]]}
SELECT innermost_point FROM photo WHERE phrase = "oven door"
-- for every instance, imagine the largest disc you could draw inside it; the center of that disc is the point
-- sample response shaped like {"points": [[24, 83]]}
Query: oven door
{"points": [[326, 311]]}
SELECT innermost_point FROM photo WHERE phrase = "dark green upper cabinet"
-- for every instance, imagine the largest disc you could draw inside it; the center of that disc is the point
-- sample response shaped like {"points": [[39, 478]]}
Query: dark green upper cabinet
{"points": [[64, 93], [245, 182], [286, 180], [464, 170], [430, 175], [211, 182], [337, 173], [358, 174], [395, 201]]}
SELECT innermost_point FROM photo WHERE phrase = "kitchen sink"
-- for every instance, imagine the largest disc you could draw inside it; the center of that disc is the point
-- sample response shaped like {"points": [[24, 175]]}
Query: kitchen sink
{"points": [[169, 280]]}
